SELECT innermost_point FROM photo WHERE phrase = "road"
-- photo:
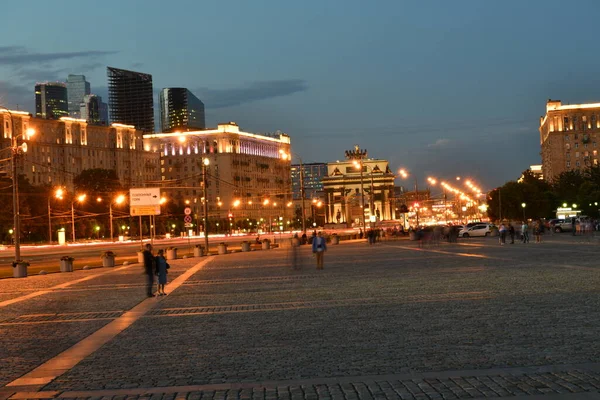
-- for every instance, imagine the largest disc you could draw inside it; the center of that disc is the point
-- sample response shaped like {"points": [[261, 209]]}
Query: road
{"points": [[47, 257]]}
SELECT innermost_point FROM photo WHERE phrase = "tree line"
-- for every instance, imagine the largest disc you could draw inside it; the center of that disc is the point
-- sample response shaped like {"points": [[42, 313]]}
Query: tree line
{"points": [[542, 198]]}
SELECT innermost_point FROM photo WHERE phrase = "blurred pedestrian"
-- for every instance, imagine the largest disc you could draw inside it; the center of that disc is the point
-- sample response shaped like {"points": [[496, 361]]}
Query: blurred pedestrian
{"points": [[525, 231], [319, 247], [161, 271], [511, 232], [149, 268], [502, 231], [538, 230]]}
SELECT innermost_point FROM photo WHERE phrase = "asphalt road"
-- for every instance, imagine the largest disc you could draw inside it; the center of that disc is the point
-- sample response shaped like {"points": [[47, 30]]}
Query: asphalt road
{"points": [[47, 257]]}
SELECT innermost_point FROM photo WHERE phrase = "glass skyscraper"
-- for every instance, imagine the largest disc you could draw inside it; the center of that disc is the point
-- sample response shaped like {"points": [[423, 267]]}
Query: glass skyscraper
{"points": [[180, 110], [94, 110], [77, 87], [51, 100], [313, 174], [130, 98]]}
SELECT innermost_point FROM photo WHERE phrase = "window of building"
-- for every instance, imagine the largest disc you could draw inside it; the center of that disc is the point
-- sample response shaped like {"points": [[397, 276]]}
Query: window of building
{"points": [[576, 145], [566, 138], [595, 161], [566, 123], [577, 164], [568, 146], [576, 154], [593, 121], [595, 152], [568, 163], [568, 155], [585, 145]]}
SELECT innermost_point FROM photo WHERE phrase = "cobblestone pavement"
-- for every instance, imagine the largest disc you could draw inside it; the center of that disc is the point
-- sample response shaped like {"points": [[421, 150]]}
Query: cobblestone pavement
{"points": [[472, 320]]}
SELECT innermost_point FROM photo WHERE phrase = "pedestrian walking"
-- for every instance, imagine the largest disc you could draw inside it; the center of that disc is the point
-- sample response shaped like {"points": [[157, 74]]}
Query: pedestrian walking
{"points": [[161, 271], [525, 230], [149, 268], [573, 226], [502, 231], [319, 247], [511, 232], [539, 229]]}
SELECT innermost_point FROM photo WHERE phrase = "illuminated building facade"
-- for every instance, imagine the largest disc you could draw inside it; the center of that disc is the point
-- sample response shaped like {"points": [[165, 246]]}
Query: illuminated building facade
{"points": [[130, 98], [180, 110], [313, 174], [569, 136], [343, 192], [61, 149], [51, 100], [248, 174]]}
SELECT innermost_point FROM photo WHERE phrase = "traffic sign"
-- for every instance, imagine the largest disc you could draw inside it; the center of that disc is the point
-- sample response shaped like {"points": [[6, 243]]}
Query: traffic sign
{"points": [[187, 211], [144, 201], [188, 224], [135, 211], [144, 196], [187, 219]]}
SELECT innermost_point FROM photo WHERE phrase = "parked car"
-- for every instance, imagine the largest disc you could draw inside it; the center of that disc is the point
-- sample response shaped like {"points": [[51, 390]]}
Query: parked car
{"points": [[563, 225], [476, 230]]}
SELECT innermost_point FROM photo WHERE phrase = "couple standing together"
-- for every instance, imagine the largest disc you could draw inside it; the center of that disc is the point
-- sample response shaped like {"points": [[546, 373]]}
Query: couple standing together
{"points": [[155, 266]]}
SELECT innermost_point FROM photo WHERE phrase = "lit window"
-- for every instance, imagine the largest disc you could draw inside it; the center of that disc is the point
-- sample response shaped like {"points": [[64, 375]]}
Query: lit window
{"points": [[568, 163], [577, 154]]}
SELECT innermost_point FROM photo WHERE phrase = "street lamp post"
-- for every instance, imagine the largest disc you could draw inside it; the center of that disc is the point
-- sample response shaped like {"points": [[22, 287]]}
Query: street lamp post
{"points": [[287, 156], [205, 163], [80, 199], [404, 175], [358, 155], [16, 150]]}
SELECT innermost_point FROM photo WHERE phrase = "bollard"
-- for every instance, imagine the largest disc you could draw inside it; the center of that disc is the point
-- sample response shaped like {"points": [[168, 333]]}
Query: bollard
{"points": [[171, 253], [66, 264], [108, 259], [222, 249], [245, 246], [335, 239], [20, 269], [266, 244], [140, 256], [198, 251]]}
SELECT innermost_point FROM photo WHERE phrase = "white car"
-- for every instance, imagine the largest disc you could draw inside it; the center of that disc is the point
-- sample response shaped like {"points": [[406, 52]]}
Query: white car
{"points": [[475, 230]]}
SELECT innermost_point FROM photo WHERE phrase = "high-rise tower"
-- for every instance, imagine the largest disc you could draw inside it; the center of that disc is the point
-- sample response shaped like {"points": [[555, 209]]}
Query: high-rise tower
{"points": [[180, 110], [51, 100], [130, 98]]}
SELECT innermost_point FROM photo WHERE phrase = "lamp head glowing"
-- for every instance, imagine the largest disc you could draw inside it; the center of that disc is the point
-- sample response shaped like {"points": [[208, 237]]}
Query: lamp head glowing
{"points": [[81, 198], [120, 199], [206, 161]]}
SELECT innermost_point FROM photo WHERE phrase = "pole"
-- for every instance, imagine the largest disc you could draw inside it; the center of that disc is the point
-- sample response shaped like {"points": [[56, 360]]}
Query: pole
{"points": [[111, 220], [73, 220], [500, 204], [445, 215], [141, 235], [49, 223], [17, 218], [205, 207], [417, 196], [362, 192], [372, 197], [303, 196]]}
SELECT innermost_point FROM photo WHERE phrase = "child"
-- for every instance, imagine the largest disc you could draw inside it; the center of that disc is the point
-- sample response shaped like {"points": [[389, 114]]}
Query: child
{"points": [[161, 270]]}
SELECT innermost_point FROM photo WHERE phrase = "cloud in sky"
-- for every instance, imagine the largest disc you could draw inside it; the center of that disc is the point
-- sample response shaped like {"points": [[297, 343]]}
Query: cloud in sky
{"points": [[20, 55], [254, 91], [439, 143]]}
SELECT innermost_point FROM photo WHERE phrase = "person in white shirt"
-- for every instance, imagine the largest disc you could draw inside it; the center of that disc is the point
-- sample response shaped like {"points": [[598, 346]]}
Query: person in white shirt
{"points": [[525, 230]]}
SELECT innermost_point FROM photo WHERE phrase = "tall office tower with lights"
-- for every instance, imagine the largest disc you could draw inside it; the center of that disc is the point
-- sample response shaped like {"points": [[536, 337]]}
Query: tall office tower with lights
{"points": [[51, 100], [180, 110], [130, 98]]}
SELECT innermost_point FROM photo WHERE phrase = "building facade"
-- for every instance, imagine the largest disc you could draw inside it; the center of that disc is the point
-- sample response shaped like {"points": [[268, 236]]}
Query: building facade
{"points": [[77, 88], [313, 174], [61, 149], [180, 110], [344, 190], [569, 136], [51, 100], [130, 98], [93, 110], [248, 175]]}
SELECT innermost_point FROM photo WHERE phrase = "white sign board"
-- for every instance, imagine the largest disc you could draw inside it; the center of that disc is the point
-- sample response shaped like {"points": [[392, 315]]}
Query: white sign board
{"points": [[144, 201], [144, 197]]}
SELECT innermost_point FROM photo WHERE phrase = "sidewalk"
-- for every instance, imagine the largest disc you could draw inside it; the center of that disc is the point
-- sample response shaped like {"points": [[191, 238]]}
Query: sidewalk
{"points": [[472, 320]]}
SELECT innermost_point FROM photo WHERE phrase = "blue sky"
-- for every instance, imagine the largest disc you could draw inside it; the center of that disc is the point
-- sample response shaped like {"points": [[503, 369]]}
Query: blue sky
{"points": [[439, 87]]}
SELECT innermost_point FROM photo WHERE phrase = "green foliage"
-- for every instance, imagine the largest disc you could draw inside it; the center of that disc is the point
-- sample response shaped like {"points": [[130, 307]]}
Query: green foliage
{"points": [[542, 198], [97, 181]]}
